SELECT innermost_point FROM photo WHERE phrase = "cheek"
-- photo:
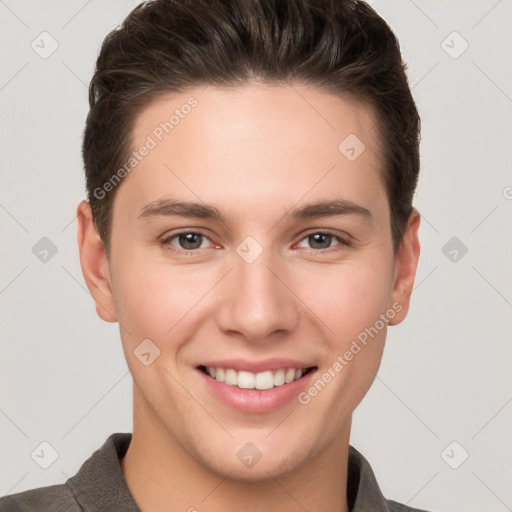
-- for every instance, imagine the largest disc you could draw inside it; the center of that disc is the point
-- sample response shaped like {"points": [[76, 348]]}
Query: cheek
{"points": [[154, 299], [349, 298], [360, 326]]}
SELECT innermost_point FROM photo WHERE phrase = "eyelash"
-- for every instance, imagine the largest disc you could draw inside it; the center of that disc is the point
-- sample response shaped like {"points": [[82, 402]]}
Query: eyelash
{"points": [[342, 243]]}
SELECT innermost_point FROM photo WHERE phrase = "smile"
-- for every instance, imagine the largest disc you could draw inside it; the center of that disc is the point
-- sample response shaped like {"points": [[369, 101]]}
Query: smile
{"points": [[263, 380]]}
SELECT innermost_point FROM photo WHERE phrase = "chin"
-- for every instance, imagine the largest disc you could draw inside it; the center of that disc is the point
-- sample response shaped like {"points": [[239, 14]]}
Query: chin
{"points": [[264, 465]]}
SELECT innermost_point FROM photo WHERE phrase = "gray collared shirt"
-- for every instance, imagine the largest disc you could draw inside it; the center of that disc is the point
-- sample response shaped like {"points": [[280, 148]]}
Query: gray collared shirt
{"points": [[99, 485]]}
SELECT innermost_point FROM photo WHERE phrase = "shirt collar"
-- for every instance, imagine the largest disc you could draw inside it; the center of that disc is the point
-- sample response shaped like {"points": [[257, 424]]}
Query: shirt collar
{"points": [[99, 484]]}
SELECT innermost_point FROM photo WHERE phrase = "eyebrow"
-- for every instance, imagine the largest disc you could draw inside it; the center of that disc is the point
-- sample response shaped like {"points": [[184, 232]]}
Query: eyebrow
{"points": [[169, 207], [330, 208], [166, 207]]}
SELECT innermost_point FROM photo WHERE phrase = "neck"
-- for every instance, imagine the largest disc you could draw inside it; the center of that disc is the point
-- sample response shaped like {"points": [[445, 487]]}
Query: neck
{"points": [[159, 472]]}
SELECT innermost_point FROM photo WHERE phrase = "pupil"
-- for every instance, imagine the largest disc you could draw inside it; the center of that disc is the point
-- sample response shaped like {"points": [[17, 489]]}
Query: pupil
{"points": [[190, 240], [320, 240]]}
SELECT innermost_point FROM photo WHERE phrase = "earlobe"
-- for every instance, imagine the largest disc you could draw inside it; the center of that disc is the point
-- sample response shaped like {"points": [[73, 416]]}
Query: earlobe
{"points": [[94, 263], [406, 263]]}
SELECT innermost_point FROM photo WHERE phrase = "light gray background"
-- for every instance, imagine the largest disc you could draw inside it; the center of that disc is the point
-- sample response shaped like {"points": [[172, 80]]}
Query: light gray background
{"points": [[446, 373]]}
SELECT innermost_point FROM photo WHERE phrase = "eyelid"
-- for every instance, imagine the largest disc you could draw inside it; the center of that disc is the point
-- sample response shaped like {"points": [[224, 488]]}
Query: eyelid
{"points": [[166, 239], [344, 239], [326, 231]]}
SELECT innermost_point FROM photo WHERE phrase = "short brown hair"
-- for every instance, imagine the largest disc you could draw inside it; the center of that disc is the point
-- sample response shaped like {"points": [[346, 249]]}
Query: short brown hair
{"points": [[163, 46]]}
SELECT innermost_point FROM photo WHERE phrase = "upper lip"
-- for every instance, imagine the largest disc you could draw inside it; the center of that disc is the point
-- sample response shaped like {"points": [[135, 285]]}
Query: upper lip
{"points": [[257, 366]]}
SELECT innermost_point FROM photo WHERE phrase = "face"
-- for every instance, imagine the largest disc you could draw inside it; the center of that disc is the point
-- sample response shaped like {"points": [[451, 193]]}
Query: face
{"points": [[251, 248]]}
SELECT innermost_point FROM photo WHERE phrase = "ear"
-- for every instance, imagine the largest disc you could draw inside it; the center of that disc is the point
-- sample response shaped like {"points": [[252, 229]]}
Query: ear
{"points": [[94, 263], [406, 262]]}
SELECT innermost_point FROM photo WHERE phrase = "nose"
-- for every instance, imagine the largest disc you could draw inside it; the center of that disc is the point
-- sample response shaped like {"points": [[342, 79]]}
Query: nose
{"points": [[257, 303]]}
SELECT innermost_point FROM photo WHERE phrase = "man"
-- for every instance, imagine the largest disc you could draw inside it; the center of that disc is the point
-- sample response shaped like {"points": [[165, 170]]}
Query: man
{"points": [[250, 171]]}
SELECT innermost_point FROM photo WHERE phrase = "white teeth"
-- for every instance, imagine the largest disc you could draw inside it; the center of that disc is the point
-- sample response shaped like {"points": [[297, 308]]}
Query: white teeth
{"points": [[249, 380], [231, 377], [264, 380], [290, 376], [246, 380], [279, 378]]}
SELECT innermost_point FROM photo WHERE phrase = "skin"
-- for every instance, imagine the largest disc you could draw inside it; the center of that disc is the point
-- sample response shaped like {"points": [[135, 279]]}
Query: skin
{"points": [[255, 153]]}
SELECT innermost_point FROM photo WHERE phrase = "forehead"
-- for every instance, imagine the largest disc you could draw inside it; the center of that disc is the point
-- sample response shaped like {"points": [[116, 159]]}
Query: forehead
{"points": [[257, 114], [255, 142]]}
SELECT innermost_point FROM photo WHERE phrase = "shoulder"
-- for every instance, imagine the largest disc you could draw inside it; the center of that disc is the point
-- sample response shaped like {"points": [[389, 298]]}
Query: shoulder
{"points": [[98, 485], [53, 498]]}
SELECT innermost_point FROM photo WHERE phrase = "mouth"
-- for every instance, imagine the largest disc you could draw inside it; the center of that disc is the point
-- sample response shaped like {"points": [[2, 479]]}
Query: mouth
{"points": [[261, 381]]}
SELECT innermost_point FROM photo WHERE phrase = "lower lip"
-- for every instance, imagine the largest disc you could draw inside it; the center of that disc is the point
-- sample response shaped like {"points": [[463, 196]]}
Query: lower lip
{"points": [[254, 401]]}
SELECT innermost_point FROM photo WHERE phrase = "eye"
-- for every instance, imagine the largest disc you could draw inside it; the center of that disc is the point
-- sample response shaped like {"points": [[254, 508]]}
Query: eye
{"points": [[187, 241], [322, 240], [190, 241]]}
